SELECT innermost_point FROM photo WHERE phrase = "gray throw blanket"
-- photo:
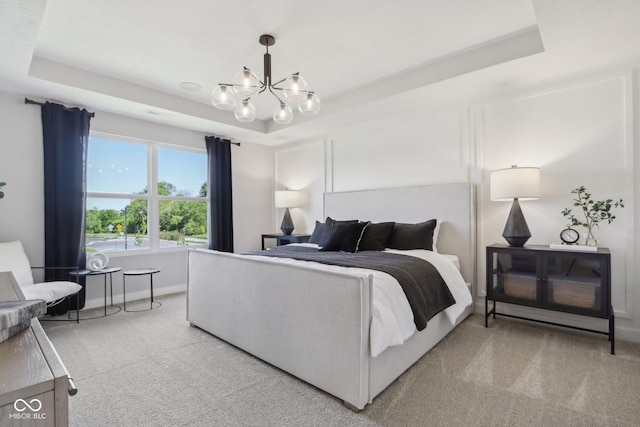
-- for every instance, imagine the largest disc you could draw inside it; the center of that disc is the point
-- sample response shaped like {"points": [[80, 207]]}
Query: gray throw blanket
{"points": [[425, 289]]}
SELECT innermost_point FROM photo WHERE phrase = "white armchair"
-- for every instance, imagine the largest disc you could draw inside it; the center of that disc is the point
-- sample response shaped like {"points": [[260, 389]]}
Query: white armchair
{"points": [[14, 259]]}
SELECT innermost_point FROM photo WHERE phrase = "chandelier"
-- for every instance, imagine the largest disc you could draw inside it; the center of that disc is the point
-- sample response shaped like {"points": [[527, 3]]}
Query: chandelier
{"points": [[294, 92]]}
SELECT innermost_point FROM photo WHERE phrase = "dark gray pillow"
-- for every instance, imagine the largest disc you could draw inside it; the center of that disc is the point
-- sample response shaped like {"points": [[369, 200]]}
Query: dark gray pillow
{"points": [[328, 226], [345, 237], [376, 236], [317, 233], [412, 236]]}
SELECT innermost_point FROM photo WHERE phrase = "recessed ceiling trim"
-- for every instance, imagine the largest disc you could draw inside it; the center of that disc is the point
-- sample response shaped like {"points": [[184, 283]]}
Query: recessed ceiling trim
{"points": [[81, 79], [513, 46], [520, 44]]}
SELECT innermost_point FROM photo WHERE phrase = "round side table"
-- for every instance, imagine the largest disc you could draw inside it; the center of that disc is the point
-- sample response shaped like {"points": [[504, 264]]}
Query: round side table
{"points": [[104, 272], [139, 272]]}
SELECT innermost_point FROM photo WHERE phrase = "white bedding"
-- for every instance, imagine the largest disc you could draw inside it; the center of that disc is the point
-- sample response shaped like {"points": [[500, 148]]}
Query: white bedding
{"points": [[392, 319]]}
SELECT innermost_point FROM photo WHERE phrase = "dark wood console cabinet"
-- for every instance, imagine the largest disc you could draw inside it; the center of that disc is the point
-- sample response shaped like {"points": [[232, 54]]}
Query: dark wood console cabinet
{"points": [[569, 281]]}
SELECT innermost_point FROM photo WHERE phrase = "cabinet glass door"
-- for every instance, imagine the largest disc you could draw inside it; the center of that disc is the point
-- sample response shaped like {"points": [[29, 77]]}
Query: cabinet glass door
{"points": [[514, 276], [575, 283]]}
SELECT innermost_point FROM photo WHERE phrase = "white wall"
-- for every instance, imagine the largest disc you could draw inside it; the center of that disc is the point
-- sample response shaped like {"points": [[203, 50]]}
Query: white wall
{"points": [[404, 150], [21, 167], [21, 211], [301, 168], [578, 132]]}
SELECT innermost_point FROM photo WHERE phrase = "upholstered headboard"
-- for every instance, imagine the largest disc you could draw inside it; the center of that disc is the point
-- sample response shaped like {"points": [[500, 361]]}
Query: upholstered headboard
{"points": [[451, 204]]}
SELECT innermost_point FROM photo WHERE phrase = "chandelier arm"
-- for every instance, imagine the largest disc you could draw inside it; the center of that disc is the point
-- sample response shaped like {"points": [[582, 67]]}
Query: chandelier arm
{"points": [[277, 83], [274, 94]]}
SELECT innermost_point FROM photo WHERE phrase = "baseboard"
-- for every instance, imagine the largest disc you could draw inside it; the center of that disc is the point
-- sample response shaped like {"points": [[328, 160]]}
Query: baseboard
{"points": [[133, 296]]}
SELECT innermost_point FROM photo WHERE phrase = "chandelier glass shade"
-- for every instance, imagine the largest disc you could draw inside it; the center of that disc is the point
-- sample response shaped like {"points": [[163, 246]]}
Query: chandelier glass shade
{"points": [[283, 114], [294, 90], [310, 105], [222, 97], [245, 111]]}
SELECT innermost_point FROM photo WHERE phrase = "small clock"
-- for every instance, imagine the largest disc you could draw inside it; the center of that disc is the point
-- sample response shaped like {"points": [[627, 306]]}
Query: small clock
{"points": [[569, 236]]}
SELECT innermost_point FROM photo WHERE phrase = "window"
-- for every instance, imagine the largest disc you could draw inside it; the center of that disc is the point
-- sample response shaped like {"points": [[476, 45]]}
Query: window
{"points": [[123, 215]]}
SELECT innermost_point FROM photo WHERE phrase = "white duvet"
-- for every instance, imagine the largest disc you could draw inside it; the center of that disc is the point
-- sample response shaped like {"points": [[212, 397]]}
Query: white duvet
{"points": [[392, 319]]}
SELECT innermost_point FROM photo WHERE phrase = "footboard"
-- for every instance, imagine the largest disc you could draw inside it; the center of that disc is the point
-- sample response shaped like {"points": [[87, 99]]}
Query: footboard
{"points": [[313, 324]]}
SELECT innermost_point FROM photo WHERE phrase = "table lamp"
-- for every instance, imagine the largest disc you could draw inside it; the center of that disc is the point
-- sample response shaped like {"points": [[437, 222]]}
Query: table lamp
{"points": [[515, 183], [287, 199]]}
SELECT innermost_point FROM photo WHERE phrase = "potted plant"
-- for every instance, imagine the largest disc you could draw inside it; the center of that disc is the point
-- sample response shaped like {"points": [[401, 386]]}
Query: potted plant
{"points": [[594, 212], [2, 184]]}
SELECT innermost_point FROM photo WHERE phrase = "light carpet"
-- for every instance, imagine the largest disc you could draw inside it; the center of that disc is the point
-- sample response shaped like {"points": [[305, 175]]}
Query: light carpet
{"points": [[152, 369]]}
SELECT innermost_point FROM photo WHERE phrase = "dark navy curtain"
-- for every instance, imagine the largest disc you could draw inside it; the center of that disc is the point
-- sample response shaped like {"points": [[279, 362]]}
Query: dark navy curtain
{"points": [[65, 134], [220, 194]]}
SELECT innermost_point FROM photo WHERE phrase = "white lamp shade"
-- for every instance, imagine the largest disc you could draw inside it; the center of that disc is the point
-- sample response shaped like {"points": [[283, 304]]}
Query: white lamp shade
{"points": [[287, 199], [515, 183]]}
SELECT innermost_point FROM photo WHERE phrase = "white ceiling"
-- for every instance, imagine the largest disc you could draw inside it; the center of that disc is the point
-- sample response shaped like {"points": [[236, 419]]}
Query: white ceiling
{"points": [[365, 58]]}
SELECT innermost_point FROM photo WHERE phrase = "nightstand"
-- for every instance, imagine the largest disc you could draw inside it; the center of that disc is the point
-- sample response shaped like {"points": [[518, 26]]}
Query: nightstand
{"points": [[568, 281], [285, 239]]}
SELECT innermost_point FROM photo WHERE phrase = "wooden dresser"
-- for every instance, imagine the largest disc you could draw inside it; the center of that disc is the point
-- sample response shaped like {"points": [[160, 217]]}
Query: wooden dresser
{"points": [[34, 384]]}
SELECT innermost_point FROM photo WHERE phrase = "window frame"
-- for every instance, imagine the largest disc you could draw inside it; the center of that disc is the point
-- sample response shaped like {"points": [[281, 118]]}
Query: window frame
{"points": [[152, 197]]}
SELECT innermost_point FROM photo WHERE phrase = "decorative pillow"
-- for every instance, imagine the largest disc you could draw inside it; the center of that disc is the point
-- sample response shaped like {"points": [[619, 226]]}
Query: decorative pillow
{"points": [[413, 236], [317, 233], [328, 227], [376, 236], [345, 237]]}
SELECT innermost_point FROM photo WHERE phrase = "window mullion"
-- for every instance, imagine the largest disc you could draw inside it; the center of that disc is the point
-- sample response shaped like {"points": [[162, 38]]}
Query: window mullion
{"points": [[153, 208]]}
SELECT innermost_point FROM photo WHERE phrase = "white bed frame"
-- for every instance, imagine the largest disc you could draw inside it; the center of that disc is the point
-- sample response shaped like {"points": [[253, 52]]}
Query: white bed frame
{"points": [[315, 324]]}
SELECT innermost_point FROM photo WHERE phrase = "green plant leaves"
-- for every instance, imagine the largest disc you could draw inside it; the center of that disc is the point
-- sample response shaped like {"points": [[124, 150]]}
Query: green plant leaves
{"points": [[594, 211]]}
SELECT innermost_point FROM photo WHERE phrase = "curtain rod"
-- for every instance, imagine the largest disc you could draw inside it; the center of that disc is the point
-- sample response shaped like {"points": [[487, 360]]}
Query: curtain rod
{"points": [[222, 139], [29, 101]]}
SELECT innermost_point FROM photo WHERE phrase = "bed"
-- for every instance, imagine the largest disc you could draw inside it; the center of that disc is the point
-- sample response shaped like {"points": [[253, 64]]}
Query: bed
{"points": [[315, 323]]}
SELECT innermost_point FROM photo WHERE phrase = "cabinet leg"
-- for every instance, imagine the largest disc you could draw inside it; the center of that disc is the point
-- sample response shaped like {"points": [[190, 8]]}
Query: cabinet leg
{"points": [[612, 330], [486, 312]]}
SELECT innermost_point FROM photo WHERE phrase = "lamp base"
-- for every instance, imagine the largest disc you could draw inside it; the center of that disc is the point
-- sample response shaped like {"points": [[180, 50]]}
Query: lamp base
{"points": [[516, 242], [287, 223], [516, 231]]}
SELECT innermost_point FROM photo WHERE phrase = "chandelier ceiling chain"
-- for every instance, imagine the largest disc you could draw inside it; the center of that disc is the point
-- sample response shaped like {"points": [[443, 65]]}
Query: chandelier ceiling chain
{"points": [[237, 96]]}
